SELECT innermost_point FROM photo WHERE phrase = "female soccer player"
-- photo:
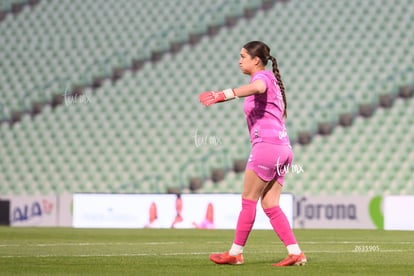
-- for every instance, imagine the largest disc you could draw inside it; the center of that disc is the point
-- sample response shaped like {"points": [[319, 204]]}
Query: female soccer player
{"points": [[265, 110]]}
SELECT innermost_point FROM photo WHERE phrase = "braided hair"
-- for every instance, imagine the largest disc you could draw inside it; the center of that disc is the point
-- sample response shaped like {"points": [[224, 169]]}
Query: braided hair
{"points": [[262, 51]]}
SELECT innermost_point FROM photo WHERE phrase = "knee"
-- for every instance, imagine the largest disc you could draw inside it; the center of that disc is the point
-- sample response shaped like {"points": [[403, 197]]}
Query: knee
{"points": [[251, 195], [266, 203]]}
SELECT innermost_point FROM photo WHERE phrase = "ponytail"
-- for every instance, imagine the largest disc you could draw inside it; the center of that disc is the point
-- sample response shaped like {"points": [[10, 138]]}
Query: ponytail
{"points": [[280, 83], [261, 50]]}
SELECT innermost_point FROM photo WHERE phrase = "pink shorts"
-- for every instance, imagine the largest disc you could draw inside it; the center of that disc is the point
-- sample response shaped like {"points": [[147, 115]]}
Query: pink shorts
{"points": [[270, 161]]}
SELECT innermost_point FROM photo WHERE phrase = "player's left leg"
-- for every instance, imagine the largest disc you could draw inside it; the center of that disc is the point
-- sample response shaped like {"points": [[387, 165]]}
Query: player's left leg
{"points": [[270, 204]]}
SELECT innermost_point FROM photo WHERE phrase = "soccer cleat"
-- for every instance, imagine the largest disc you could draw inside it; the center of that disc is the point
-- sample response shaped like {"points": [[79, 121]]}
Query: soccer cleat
{"points": [[226, 258], [292, 259]]}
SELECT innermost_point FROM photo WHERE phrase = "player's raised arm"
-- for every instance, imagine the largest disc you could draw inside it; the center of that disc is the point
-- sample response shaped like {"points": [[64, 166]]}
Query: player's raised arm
{"points": [[210, 97]]}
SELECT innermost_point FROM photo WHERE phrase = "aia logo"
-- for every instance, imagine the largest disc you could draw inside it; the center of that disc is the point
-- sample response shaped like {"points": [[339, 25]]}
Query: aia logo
{"points": [[32, 210]]}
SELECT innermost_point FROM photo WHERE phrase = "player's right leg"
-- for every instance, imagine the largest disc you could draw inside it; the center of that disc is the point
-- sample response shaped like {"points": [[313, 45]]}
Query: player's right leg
{"points": [[252, 190]]}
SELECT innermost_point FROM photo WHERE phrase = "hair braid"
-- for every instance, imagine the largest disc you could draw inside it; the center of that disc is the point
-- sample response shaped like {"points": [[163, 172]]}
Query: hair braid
{"points": [[279, 82], [261, 50]]}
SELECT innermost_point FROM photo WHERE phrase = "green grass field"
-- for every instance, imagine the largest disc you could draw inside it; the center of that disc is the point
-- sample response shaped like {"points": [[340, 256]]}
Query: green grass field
{"points": [[67, 251]]}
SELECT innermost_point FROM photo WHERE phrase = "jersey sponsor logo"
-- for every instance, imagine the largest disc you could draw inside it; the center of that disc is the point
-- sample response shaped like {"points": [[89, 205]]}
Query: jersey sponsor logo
{"points": [[282, 134]]}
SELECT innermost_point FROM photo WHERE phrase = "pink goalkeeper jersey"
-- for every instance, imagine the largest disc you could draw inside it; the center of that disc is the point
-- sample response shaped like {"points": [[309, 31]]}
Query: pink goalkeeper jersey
{"points": [[264, 112]]}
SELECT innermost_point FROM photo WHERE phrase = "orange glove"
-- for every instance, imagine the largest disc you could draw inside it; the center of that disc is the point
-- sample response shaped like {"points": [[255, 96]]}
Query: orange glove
{"points": [[211, 97]]}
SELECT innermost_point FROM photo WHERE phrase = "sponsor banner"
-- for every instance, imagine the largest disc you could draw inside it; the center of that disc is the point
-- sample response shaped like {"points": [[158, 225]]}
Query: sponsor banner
{"points": [[395, 212], [209, 211], [353, 212], [33, 210], [65, 202], [206, 211]]}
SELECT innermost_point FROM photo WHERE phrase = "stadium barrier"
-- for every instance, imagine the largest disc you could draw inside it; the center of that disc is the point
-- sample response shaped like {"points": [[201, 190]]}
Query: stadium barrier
{"points": [[47, 211], [397, 212], [211, 211], [217, 211], [349, 212]]}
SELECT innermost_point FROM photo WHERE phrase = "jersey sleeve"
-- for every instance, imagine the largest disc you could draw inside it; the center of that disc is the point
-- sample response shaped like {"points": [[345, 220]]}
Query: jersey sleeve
{"points": [[259, 76]]}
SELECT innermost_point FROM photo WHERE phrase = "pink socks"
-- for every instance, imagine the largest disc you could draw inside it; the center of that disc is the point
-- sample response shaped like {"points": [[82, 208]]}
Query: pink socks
{"points": [[277, 218], [280, 225], [245, 222]]}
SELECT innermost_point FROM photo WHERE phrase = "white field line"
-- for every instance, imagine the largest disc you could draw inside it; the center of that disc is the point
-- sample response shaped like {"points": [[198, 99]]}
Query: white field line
{"points": [[188, 254], [355, 242], [108, 255], [175, 243], [88, 244]]}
